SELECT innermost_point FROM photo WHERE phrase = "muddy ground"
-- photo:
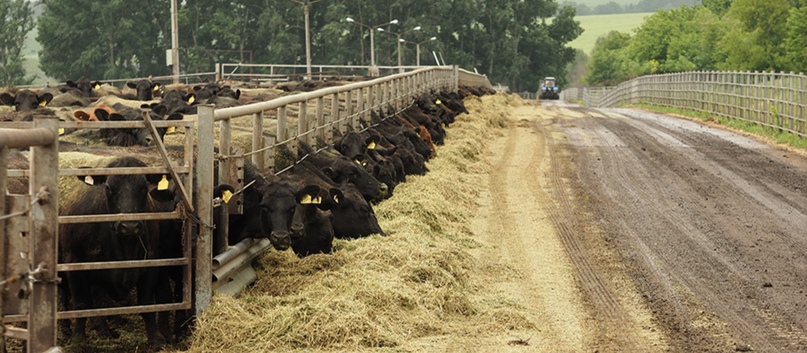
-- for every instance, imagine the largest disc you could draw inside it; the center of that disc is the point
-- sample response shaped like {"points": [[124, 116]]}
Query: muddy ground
{"points": [[641, 232]]}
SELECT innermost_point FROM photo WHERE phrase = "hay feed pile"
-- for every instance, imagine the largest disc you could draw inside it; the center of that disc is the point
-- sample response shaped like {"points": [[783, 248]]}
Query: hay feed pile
{"points": [[389, 293]]}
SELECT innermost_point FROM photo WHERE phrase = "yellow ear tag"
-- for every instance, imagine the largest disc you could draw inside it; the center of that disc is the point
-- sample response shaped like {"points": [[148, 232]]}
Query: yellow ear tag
{"points": [[171, 130], [438, 102], [157, 87], [371, 146], [61, 131], [163, 184], [43, 103], [306, 200], [226, 196], [89, 180], [191, 99], [97, 86], [357, 161], [336, 198]]}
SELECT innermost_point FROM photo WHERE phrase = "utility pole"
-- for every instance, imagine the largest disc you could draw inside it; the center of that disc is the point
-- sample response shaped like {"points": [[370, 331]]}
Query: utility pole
{"points": [[307, 10], [174, 42]]}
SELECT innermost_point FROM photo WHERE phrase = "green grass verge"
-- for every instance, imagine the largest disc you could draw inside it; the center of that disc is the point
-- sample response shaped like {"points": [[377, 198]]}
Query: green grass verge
{"points": [[777, 135]]}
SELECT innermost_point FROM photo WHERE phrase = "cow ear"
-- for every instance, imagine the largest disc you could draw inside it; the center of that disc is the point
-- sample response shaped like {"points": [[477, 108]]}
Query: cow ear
{"points": [[70, 83], [101, 114], [82, 115], [336, 196], [92, 180], [7, 98], [190, 98], [131, 84], [45, 98], [161, 180], [371, 142], [162, 195], [309, 195], [155, 86], [159, 109], [96, 85], [224, 192], [237, 94], [175, 116]]}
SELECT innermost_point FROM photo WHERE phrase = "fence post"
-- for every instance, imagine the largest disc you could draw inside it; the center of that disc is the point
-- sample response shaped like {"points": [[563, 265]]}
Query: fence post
{"points": [[204, 207], [44, 239], [257, 140]]}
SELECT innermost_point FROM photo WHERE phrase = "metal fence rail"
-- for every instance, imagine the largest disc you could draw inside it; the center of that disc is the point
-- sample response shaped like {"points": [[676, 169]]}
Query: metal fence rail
{"points": [[776, 100]]}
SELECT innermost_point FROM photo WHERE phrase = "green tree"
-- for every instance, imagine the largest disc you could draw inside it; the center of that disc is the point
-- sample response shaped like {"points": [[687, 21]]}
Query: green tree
{"points": [[16, 20], [103, 39], [609, 63], [719, 7], [795, 44], [756, 44]]}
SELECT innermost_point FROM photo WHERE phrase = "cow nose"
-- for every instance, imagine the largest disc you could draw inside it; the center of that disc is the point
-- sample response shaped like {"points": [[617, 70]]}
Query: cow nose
{"points": [[280, 240], [383, 189], [297, 231], [148, 140], [128, 228]]}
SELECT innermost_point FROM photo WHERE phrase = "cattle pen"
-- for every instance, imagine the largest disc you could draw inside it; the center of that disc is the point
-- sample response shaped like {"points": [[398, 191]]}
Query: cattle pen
{"points": [[208, 153]]}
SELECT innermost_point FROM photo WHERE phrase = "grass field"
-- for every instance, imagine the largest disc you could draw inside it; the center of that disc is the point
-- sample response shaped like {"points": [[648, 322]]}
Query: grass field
{"points": [[598, 25]]}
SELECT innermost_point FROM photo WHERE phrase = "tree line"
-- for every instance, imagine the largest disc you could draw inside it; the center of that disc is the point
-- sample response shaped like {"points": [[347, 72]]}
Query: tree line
{"points": [[741, 35], [516, 42], [612, 7]]}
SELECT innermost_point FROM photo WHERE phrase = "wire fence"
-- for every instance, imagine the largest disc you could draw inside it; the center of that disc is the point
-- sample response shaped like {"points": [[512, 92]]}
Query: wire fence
{"points": [[777, 100]]}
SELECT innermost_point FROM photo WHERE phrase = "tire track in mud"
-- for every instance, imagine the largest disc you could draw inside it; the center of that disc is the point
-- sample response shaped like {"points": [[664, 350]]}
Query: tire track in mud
{"points": [[525, 243], [609, 316], [699, 274]]}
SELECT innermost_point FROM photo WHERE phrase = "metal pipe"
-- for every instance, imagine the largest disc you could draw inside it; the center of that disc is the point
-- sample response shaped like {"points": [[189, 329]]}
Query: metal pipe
{"points": [[16, 138]]}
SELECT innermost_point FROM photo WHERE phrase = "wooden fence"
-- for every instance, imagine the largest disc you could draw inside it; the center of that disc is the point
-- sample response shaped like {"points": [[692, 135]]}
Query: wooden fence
{"points": [[776, 100], [276, 125]]}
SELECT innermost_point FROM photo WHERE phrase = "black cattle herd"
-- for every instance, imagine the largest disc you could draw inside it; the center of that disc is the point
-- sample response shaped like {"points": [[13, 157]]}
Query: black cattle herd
{"points": [[329, 193]]}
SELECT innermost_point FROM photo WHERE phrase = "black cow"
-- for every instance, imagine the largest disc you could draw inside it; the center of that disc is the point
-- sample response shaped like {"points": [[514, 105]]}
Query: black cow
{"points": [[145, 89], [132, 136], [269, 207], [353, 216], [113, 241], [342, 169], [84, 85], [25, 99]]}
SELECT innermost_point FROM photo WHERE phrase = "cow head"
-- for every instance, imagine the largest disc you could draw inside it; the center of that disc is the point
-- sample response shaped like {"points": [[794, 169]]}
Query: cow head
{"points": [[347, 171], [353, 215], [145, 89], [25, 100], [84, 85]]}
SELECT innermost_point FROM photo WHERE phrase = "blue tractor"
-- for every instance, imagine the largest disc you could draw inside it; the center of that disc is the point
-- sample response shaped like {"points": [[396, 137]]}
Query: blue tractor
{"points": [[549, 90]]}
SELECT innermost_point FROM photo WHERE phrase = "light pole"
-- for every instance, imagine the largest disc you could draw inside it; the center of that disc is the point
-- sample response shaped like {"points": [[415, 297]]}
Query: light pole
{"points": [[307, 10], [373, 69], [417, 45], [400, 69], [174, 43]]}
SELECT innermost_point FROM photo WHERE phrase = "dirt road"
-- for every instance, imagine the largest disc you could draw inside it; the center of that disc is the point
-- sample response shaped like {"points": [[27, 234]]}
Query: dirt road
{"points": [[635, 232]]}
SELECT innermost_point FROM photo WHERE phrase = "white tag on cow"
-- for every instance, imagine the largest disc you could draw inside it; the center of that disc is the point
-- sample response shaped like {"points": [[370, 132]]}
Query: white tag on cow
{"points": [[371, 145], [163, 184], [226, 196], [89, 180]]}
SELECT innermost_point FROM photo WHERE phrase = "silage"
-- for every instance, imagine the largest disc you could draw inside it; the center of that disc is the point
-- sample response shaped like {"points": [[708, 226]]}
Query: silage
{"points": [[379, 291]]}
